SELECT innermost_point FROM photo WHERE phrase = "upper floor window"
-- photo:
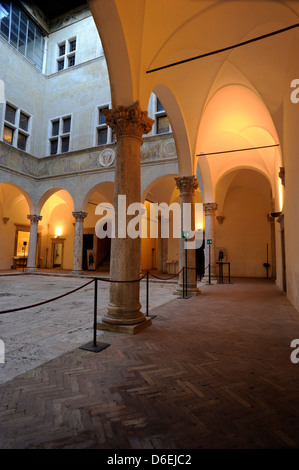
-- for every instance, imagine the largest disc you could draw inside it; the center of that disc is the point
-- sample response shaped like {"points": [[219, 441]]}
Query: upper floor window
{"points": [[16, 129], [60, 134], [162, 120], [21, 33], [104, 134], [66, 56]]}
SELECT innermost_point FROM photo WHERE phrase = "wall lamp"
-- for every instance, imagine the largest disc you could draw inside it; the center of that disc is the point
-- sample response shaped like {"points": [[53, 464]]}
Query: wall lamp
{"points": [[275, 214]]}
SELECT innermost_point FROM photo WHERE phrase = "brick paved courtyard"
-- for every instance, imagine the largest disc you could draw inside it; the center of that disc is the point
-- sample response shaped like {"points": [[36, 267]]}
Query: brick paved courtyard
{"points": [[213, 371]]}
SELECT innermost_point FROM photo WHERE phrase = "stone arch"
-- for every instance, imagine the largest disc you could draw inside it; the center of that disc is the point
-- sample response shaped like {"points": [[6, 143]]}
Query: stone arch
{"points": [[116, 52], [157, 181], [47, 194], [179, 128], [95, 188], [24, 193], [227, 177], [235, 117]]}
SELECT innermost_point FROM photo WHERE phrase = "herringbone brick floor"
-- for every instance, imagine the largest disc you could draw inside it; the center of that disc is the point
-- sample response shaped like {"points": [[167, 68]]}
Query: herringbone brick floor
{"points": [[213, 371]]}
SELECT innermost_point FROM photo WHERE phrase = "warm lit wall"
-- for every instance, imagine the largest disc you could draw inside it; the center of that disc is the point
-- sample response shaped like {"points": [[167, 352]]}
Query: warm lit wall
{"points": [[245, 231], [57, 220], [291, 203], [149, 246], [13, 205]]}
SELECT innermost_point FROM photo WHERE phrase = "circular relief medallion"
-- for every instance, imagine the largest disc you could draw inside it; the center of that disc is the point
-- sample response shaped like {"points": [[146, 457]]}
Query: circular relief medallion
{"points": [[167, 148], [106, 157]]}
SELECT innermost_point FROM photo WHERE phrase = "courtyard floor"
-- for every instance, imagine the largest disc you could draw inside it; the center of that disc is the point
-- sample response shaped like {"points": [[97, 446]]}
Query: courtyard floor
{"points": [[211, 372]]}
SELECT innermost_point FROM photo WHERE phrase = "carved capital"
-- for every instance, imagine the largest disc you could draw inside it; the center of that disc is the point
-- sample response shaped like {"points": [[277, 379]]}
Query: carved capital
{"points": [[210, 208], [34, 219], [220, 219], [79, 216], [186, 184], [129, 121]]}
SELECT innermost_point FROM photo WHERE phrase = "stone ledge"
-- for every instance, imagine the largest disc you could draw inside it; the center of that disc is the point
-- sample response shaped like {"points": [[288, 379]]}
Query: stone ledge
{"points": [[128, 329]]}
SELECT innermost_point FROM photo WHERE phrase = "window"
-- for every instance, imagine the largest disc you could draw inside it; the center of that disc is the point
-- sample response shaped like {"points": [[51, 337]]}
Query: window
{"points": [[62, 50], [21, 33], [8, 135], [102, 128], [16, 129], [60, 130], [104, 134], [60, 64], [10, 114], [162, 120], [66, 54]]}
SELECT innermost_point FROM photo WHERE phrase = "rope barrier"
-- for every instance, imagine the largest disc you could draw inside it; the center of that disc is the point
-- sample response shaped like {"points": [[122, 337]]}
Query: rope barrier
{"points": [[165, 278], [103, 280], [123, 282], [46, 301]]}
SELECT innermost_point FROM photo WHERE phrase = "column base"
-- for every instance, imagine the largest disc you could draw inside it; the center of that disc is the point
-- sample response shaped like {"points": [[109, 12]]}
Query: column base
{"points": [[76, 273], [123, 328], [191, 291], [31, 270]]}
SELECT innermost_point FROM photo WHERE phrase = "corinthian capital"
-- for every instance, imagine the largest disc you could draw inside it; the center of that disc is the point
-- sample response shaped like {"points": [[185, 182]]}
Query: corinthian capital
{"points": [[79, 216], [129, 121], [186, 184], [34, 219], [210, 208]]}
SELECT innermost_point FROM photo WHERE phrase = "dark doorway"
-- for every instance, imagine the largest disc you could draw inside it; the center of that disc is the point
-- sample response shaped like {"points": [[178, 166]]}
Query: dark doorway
{"points": [[87, 245], [200, 260], [103, 252]]}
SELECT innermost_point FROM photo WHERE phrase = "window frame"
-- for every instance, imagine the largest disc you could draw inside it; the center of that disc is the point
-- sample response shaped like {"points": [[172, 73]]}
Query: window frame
{"points": [[99, 126], [68, 53], [23, 34], [61, 135], [16, 128], [160, 113]]}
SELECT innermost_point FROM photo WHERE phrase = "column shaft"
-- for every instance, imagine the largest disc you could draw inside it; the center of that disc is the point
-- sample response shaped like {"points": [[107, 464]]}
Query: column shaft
{"points": [[78, 242], [210, 250], [187, 186], [31, 261], [129, 124]]}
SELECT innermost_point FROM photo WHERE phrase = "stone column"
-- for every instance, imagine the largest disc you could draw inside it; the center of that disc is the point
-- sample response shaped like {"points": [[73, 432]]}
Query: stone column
{"points": [[162, 249], [187, 186], [78, 245], [210, 210], [31, 260], [124, 315]]}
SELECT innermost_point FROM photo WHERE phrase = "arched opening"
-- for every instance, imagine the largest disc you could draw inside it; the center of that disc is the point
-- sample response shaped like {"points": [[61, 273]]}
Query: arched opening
{"points": [[162, 253], [95, 248], [15, 205], [57, 233], [243, 230]]}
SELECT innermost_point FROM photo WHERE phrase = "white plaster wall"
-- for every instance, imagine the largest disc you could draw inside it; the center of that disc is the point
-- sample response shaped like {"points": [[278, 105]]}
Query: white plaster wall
{"points": [[77, 92], [24, 88], [88, 45]]}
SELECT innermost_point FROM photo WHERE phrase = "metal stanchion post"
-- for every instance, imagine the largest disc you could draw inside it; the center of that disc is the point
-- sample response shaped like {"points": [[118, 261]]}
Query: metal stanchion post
{"points": [[209, 264], [147, 296], [229, 273], [93, 346], [186, 272], [147, 293], [95, 309]]}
